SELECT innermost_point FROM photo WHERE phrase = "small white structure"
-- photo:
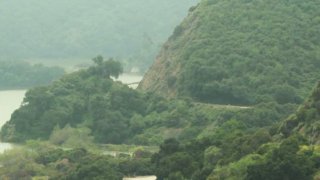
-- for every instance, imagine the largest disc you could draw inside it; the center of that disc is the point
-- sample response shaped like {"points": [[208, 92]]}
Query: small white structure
{"points": [[141, 178]]}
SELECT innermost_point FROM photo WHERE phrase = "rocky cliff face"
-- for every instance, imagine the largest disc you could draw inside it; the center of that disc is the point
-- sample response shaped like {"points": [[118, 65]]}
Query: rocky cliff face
{"points": [[163, 74]]}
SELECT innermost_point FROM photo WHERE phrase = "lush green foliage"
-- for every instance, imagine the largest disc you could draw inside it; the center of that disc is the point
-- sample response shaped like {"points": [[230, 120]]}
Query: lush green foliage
{"points": [[18, 75], [81, 97], [42, 160], [262, 53], [72, 137], [58, 164], [286, 162], [198, 158], [232, 151], [236, 158], [78, 29], [242, 52], [306, 119], [90, 99]]}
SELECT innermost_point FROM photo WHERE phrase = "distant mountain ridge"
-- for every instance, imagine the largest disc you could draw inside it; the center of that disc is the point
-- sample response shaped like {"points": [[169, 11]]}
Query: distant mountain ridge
{"points": [[22, 75], [82, 29], [241, 52]]}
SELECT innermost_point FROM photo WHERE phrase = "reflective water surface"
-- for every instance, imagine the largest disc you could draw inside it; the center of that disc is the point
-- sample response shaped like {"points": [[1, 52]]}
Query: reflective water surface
{"points": [[9, 102]]}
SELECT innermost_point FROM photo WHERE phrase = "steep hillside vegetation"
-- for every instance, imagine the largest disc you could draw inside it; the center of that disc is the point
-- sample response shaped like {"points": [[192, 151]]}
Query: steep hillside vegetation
{"points": [[307, 119], [241, 52], [233, 152], [78, 29]]}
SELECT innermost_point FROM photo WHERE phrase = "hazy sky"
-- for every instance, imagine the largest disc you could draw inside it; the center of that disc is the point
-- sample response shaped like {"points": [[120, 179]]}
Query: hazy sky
{"points": [[82, 28]]}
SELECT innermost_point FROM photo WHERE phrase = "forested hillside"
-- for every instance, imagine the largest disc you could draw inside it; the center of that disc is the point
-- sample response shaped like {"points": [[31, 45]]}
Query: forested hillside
{"points": [[20, 75], [90, 99], [80, 29], [226, 98], [233, 152], [115, 113], [241, 52], [226, 148]]}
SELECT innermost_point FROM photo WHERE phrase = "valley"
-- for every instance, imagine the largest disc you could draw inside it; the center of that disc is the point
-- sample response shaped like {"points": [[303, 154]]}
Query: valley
{"points": [[233, 93]]}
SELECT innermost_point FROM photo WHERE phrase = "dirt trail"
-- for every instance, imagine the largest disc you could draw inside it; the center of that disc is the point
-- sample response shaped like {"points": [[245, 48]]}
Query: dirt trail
{"points": [[219, 106]]}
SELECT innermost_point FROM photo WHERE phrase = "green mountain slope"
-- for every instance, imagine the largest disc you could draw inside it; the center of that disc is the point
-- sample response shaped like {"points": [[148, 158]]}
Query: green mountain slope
{"points": [[241, 52]]}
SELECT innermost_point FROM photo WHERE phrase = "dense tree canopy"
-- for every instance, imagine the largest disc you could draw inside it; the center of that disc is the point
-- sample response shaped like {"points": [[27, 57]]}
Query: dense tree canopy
{"points": [[232, 151], [88, 96], [286, 163], [58, 164]]}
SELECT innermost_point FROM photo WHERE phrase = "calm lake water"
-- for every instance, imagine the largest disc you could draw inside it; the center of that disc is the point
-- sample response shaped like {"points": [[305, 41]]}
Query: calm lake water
{"points": [[130, 78], [9, 102]]}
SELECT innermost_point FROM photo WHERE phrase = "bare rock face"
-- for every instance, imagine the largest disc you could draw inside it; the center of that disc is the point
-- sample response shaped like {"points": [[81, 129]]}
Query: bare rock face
{"points": [[155, 78], [162, 77]]}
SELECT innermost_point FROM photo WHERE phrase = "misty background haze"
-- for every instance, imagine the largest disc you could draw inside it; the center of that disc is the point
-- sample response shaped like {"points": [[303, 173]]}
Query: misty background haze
{"points": [[77, 30]]}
